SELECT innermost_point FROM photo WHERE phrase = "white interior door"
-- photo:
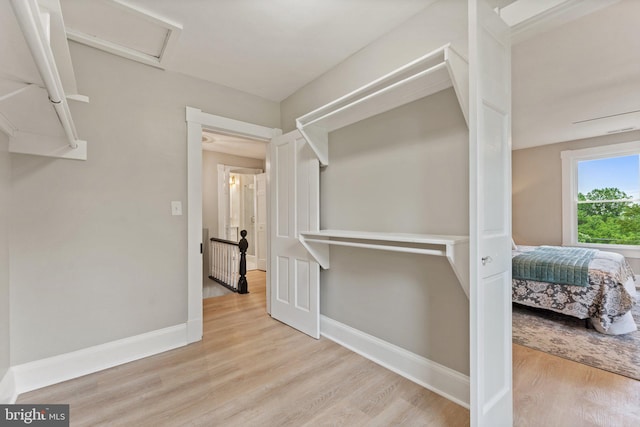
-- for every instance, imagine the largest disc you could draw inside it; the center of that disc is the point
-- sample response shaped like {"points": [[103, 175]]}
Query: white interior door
{"points": [[295, 192], [261, 220], [490, 204], [223, 202]]}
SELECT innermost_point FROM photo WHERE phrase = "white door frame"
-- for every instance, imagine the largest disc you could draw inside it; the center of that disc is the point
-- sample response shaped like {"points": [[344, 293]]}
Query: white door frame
{"points": [[196, 120]]}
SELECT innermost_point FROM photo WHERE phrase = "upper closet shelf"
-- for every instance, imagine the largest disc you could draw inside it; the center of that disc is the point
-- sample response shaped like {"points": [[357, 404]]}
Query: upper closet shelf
{"points": [[455, 248], [36, 80], [438, 70]]}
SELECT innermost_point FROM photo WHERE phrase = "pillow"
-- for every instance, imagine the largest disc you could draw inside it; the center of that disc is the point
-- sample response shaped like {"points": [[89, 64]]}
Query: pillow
{"points": [[513, 245]]}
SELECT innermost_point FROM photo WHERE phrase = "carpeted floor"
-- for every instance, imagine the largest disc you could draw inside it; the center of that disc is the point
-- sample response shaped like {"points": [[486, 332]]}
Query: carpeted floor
{"points": [[567, 337], [211, 289]]}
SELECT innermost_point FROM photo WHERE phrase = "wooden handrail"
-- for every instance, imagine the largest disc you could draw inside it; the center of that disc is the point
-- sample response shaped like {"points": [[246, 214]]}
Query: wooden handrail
{"points": [[229, 242], [228, 279]]}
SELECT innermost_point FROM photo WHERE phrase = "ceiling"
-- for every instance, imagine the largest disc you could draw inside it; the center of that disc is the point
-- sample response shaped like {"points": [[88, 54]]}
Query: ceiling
{"points": [[583, 70], [229, 144], [269, 48], [572, 62]]}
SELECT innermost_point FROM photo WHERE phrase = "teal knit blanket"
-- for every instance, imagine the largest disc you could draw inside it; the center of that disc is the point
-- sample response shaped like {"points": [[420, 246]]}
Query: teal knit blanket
{"points": [[566, 266]]}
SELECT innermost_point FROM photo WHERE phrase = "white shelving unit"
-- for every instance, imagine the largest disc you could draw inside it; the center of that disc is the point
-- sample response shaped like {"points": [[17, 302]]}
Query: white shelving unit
{"points": [[438, 70], [480, 260], [455, 248], [431, 73], [36, 80]]}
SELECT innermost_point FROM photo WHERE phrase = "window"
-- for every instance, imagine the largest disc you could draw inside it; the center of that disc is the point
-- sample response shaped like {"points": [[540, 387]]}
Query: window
{"points": [[601, 197]]}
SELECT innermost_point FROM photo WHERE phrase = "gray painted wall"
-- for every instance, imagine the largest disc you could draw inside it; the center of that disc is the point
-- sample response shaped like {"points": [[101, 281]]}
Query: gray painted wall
{"points": [[403, 171], [406, 170], [537, 190], [5, 186], [95, 254]]}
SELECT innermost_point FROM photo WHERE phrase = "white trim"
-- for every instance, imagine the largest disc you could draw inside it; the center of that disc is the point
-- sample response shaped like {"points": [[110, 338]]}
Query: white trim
{"points": [[173, 29], [235, 127], [441, 380], [196, 119], [194, 231], [194, 328], [528, 18], [42, 373], [114, 48], [8, 393], [570, 159]]}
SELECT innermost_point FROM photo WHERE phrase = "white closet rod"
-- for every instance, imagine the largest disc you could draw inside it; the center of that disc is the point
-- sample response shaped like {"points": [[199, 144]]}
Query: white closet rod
{"points": [[28, 15]]}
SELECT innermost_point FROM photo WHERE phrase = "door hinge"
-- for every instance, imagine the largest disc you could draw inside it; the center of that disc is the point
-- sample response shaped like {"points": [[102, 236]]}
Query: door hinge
{"points": [[200, 247]]}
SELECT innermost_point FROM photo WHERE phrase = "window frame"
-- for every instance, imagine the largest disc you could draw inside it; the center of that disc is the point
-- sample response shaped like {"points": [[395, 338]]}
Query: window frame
{"points": [[570, 159]]}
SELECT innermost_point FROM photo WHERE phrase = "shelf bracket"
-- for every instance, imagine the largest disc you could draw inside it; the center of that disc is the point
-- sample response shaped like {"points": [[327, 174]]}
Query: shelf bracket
{"points": [[319, 251], [318, 139], [458, 256], [46, 145], [459, 71]]}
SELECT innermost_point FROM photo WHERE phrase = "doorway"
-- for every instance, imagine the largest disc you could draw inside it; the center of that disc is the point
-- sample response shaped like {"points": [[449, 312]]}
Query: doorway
{"points": [[196, 122], [242, 205], [230, 167]]}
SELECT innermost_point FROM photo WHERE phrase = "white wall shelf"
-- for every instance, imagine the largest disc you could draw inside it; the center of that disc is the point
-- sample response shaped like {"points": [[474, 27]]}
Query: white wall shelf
{"points": [[455, 248], [431, 73], [36, 80]]}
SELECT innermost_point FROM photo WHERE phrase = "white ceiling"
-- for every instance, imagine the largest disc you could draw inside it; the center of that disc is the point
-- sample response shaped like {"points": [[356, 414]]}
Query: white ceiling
{"points": [[574, 61], [269, 48], [221, 143], [584, 69]]}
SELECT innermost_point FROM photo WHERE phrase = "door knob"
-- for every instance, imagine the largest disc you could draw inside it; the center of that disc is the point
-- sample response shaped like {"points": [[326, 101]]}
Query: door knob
{"points": [[486, 260]]}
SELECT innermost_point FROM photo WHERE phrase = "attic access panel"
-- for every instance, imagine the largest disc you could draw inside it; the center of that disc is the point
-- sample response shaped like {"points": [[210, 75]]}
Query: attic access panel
{"points": [[120, 29]]}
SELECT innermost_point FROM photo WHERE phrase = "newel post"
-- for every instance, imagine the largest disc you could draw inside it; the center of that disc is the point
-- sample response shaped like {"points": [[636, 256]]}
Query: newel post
{"points": [[242, 282]]}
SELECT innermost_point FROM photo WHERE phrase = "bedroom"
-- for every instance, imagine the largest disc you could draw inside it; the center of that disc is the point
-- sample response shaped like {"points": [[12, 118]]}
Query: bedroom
{"points": [[158, 178], [585, 97]]}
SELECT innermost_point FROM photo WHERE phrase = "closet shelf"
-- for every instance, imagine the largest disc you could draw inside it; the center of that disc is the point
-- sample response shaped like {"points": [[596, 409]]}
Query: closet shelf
{"points": [[433, 72], [35, 87], [455, 248]]}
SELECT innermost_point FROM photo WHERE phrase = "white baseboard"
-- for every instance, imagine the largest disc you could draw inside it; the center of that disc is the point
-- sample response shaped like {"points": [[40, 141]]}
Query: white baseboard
{"points": [[41, 373], [8, 393], [431, 375]]}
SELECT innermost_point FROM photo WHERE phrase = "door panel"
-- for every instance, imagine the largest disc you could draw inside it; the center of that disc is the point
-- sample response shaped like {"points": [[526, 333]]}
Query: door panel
{"points": [[303, 279], [295, 275], [490, 215], [224, 218], [261, 220], [282, 280]]}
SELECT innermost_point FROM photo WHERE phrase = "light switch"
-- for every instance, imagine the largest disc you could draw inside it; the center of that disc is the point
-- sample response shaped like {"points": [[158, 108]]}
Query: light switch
{"points": [[176, 208]]}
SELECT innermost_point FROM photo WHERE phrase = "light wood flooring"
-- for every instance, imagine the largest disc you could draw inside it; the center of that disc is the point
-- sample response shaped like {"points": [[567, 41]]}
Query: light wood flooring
{"points": [[250, 370]]}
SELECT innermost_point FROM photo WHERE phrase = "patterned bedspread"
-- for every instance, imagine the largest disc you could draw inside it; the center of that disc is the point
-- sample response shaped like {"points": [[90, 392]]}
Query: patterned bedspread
{"points": [[603, 301]]}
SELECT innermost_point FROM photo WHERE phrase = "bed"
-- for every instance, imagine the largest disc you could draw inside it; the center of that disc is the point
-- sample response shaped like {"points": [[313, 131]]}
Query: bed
{"points": [[606, 300]]}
